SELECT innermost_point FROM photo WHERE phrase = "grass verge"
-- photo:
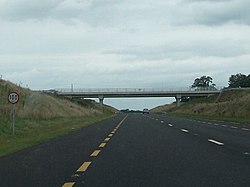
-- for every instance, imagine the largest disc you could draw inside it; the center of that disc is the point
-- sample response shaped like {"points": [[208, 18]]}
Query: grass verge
{"points": [[33, 132]]}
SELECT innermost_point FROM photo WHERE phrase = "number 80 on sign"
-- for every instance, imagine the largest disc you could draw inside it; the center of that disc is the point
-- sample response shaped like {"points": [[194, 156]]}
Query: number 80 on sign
{"points": [[13, 97]]}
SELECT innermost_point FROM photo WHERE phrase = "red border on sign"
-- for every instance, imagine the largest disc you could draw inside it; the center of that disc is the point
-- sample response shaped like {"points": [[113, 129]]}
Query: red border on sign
{"points": [[17, 97]]}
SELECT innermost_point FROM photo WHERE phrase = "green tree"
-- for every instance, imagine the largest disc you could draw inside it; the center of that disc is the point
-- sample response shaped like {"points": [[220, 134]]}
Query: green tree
{"points": [[246, 82], [203, 82], [239, 80]]}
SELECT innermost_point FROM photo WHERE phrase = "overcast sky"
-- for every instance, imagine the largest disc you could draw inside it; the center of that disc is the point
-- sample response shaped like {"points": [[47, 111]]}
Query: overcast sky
{"points": [[123, 43]]}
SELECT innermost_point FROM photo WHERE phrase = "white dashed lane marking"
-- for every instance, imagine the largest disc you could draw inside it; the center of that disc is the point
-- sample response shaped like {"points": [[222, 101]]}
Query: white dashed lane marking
{"points": [[215, 142], [245, 129], [184, 130]]}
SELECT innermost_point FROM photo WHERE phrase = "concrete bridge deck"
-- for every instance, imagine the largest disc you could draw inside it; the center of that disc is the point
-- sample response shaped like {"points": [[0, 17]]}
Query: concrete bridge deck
{"points": [[136, 92]]}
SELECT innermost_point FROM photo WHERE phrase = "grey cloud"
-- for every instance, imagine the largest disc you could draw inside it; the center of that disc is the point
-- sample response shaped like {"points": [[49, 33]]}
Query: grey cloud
{"points": [[107, 13], [27, 9], [82, 10], [184, 50], [214, 12]]}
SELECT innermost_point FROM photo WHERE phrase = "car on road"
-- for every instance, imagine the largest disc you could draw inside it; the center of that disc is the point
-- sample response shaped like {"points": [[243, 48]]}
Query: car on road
{"points": [[145, 111]]}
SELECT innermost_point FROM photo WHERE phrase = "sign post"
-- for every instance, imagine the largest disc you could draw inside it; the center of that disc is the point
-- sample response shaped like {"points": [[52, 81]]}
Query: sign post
{"points": [[13, 99]]}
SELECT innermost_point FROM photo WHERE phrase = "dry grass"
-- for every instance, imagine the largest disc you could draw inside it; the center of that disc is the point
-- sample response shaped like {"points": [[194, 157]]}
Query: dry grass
{"points": [[35, 106], [45, 116], [233, 104], [42, 106]]}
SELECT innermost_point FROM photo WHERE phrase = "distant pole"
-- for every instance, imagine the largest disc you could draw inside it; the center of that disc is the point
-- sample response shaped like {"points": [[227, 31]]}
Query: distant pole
{"points": [[72, 88]]}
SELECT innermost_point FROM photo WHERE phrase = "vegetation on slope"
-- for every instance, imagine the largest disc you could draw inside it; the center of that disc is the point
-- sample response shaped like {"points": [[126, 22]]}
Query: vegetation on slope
{"points": [[231, 104], [41, 116]]}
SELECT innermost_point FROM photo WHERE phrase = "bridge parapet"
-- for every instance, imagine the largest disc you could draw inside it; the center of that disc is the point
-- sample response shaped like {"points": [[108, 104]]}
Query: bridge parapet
{"points": [[137, 92], [131, 90]]}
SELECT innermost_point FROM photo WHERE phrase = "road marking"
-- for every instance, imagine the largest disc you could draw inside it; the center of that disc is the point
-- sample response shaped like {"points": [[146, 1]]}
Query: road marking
{"points": [[68, 184], [216, 142], [170, 125], [122, 121], [102, 145], [95, 153], [216, 124], [209, 123], [246, 153], [245, 129], [233, 127], [107, 139], [84, 167], [224, 125], [162, 121], [184, 130]]}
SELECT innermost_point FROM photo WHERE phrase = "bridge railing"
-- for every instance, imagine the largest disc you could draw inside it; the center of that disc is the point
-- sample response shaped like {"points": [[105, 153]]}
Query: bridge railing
{"points": [[140, 90]]}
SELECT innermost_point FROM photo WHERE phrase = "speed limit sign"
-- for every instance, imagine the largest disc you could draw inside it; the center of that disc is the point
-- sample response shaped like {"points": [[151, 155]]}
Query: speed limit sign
{"points": [[13, 97]]}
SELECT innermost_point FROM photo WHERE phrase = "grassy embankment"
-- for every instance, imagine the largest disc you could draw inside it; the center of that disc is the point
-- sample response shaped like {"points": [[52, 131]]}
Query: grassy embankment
{"points": [[230, 105], [41, 117]]}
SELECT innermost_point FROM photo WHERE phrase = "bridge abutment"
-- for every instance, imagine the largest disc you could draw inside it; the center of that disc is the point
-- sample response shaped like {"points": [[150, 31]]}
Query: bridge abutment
{"points": [[178, 100], [101, 99]]}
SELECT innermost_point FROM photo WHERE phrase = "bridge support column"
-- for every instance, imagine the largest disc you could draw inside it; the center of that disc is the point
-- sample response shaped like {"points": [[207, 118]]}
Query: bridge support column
{"points": [[178, 100], [101, 98]]}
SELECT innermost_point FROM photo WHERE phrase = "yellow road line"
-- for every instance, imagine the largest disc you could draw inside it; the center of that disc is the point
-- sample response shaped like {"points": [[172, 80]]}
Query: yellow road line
{"points": [[102, 145], [68, 184], [122, 121], [107, 139], [84, 167], [95, 153]]}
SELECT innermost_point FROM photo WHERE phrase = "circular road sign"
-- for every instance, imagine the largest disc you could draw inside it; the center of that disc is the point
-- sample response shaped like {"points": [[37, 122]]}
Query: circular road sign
{"points": [[13, 97]]}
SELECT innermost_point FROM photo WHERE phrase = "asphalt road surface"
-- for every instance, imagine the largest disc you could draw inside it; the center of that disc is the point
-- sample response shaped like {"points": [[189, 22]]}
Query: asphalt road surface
{"points": [[137, 150]]}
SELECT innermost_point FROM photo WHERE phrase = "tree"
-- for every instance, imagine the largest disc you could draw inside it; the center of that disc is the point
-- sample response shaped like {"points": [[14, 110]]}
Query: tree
{"points": [[246, 82], [202, 82], [239, 80]]}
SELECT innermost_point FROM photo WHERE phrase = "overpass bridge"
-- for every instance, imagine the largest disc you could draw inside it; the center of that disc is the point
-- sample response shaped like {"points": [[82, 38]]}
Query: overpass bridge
{"points": [[102, 93]]}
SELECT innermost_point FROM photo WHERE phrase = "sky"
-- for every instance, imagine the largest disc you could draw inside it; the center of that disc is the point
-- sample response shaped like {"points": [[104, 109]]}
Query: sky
{"points": [[52, 44]]}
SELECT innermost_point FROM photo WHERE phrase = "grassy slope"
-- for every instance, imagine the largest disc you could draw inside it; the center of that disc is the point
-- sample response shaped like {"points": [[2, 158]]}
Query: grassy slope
{"points": [[41, 117], [233, 105]]}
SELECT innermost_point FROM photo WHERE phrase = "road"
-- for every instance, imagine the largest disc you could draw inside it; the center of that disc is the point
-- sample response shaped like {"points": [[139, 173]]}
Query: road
{"points": [[137, 150]]}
